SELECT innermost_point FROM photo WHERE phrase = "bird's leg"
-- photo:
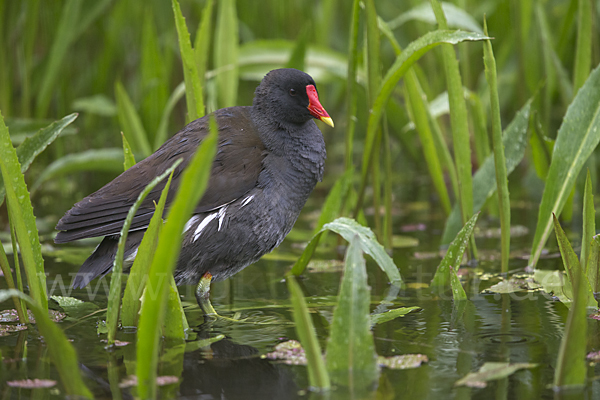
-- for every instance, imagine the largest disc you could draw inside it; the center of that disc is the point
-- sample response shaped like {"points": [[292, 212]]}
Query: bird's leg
{"points": [[203, 295]]}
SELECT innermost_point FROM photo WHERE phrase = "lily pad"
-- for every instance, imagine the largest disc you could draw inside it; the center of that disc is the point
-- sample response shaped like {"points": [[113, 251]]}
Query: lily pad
{"points": [[32, 383], [594, 356], [507, 286], [405, 361], [290, 352], [325, 266], [11, 316], [400, 242], [6, 330], [131, 381]]}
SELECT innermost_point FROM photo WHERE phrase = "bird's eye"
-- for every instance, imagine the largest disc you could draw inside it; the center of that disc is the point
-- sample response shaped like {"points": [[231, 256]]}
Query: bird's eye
{"points": [[292, 92]]}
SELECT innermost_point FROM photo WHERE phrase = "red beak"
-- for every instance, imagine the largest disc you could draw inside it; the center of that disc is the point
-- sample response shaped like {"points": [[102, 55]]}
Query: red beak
{"points": [[315, 107]]}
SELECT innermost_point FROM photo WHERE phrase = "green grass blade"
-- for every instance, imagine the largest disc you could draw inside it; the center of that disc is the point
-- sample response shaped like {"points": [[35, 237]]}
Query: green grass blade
{"points": [[202, 41], [61, 351], [351, 357], [65, 36], [458, 120], [577, 137], [442, 278], [193, 90], [573, 267], [418, 113], [161, 132], [443, 150], [130, 122], [541, 149], [404, 61], [138, 274], [348, 228], [175, 321], [114, 295], [352, 86], [34, 145], [108, 160], [484, 180], [8, 278], [458, 291], [226, 53], [15, 249], [372, 61], [583, 52], [332, 206], [128, 157], [593, 265], [480, 133], [552, 64], [372, 47], [22, 218], [589, 224], [299, 54], [317, 373], [154, 75], [194, 182], [571, 364], [498, 146]]}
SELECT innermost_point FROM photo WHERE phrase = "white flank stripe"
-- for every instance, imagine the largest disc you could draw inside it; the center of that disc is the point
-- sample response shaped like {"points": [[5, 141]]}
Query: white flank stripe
{"points": [[221, 215], [131, 257], [247, 200], [203, 225], [190, 222]]}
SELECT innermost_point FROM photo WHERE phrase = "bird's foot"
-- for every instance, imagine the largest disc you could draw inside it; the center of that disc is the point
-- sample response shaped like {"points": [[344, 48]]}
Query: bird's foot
{"points": [[203, 299]]}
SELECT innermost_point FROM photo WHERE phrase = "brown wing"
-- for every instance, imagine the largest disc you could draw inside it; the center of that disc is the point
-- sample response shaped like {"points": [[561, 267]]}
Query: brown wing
{"points": [[235, 172]]}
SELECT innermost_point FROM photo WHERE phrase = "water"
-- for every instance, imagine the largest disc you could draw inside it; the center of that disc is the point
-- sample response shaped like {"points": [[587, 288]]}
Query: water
{"points": [[524, 327]]}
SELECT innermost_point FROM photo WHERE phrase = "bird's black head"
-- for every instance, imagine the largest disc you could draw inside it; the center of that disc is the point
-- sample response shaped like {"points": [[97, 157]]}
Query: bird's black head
{"points": [[290, 96]]}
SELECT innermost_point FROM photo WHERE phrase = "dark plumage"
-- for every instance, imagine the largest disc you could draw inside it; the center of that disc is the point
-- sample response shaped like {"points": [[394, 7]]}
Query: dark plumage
{"points": [[270, 157]]}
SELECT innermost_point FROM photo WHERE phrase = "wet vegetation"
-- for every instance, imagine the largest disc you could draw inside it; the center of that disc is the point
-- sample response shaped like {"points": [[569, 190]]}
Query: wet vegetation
{"points": [[462, 164]]}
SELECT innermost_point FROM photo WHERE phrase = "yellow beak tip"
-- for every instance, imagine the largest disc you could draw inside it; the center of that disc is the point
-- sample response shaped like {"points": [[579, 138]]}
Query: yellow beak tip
{"points": [[328, 121]]}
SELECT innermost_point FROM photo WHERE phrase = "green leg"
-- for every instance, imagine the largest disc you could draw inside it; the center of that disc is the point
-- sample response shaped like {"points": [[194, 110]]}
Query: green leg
{"points": [[203, 295]]}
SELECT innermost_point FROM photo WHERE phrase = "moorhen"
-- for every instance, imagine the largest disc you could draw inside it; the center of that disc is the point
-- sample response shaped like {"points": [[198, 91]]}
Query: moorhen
{"points": [[270, 156]]}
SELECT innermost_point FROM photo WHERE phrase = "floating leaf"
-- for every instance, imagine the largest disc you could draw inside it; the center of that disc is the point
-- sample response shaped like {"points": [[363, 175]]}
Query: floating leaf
{"points": [[75, 308], [405, 361], [32, 383], [198, 344], [506, 286], [392, 314], [490, 371], [6, 330], [131, 381], [291, 352]]}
